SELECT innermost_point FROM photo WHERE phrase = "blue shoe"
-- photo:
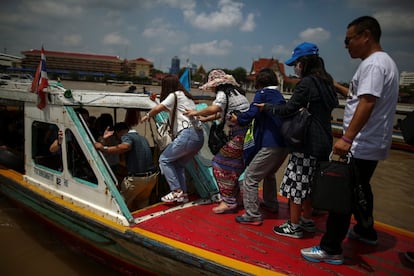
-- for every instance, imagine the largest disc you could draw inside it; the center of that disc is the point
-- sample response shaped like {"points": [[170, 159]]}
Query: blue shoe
{"points": [[355, 236], [316, 254]]}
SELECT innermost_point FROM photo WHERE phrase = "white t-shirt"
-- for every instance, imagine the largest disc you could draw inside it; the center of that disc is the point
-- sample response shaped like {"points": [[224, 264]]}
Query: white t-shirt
{"points": [[183, 104], [377, 75]]}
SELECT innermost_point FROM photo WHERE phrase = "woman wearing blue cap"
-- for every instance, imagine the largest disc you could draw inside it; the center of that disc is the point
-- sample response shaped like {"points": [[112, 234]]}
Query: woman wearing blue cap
{"points": [[315, 91]]}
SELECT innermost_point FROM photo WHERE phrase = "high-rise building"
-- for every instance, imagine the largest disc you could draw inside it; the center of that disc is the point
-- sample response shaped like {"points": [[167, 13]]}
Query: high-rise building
{"points": [[175, 65]]}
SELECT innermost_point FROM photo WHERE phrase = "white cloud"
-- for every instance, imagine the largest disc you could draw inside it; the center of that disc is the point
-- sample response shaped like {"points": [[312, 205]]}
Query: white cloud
{"points": [[115, 39], [315, 35], [228, 15], [249, 24], [281, 51], [54, 8], [72, 40], [396, 22], [159, 29], [212, 48]]}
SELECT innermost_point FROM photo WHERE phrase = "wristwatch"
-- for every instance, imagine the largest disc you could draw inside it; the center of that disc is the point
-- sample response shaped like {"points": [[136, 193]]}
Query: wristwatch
{"points": [[105, 148]]}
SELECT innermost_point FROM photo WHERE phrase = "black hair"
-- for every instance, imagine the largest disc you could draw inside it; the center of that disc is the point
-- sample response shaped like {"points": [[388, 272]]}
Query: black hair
{"points": [[266, 77], [367, 23], [230, 89], [120, 126], [313, 65]]}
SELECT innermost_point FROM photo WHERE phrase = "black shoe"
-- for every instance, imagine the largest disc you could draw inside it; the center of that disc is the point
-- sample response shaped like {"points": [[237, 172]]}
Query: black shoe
{"points": [[271, 209], [244, 219]]}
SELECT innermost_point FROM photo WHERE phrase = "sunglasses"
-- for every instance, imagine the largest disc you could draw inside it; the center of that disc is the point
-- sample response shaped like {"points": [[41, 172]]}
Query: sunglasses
{"points": [[348, 39]]}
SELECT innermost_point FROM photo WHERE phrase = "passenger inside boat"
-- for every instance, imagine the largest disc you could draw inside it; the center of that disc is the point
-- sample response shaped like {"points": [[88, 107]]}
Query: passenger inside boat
{"points": [[12, 137]]}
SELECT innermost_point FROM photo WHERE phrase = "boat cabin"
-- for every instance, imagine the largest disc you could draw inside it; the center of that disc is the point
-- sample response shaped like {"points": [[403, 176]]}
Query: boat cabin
{"points": [[77, 172]]}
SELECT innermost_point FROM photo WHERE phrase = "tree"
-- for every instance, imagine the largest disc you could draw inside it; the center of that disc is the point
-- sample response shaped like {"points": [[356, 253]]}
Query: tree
{"points": [[240, 74]]}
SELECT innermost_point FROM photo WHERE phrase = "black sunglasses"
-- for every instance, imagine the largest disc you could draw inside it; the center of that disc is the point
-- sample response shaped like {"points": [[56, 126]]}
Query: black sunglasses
{"points": [[348, 39]]}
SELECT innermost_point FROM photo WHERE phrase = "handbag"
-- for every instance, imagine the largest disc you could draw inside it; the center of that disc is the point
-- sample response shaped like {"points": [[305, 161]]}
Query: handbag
{"points": [[164, 135], [332, 185], [252, 143], [295, 126], [217, 138]]}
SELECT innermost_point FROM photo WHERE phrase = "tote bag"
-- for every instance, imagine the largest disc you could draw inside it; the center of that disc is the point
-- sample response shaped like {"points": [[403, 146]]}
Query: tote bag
{"points": [[332, 186], [252, 143]]}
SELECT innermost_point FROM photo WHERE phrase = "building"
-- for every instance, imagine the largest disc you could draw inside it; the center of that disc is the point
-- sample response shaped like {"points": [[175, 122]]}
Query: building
{"points": [[261, 63], [140, 67], [7, 61], [406, 78], [97, 66], [175, 66]]}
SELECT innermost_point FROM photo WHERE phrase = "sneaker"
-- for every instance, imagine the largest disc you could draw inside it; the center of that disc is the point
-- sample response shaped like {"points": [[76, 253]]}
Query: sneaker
{"points": [[355, 236], [174, 197], [286, 229], [316, 254], [409, 256], [245, 219], [308, 226]]}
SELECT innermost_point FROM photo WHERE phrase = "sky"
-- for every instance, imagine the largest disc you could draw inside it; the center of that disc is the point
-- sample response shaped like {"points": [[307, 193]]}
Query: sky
{"points": [[215, 34]]}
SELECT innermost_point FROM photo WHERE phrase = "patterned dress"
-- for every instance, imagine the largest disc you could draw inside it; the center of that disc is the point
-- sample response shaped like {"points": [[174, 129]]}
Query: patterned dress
{"points": [[228, 164]]}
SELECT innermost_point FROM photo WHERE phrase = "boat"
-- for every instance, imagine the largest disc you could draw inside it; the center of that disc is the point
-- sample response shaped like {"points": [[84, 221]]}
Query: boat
{"points": [[76, 194]]}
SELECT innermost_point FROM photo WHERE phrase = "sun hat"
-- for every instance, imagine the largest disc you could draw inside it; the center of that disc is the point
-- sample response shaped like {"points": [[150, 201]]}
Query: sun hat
{"points": [[303, 49], [217, 77]]}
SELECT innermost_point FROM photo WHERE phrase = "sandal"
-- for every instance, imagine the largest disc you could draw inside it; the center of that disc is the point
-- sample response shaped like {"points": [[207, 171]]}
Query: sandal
{"points": [[224, 208], [175, 197]]}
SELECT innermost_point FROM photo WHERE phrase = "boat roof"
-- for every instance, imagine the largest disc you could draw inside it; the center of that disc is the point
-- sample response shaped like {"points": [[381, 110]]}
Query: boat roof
{"points": [[75, 97]]}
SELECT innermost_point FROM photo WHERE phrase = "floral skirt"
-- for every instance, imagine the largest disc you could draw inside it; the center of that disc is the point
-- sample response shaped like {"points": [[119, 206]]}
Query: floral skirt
{"points": [[228, 165]]}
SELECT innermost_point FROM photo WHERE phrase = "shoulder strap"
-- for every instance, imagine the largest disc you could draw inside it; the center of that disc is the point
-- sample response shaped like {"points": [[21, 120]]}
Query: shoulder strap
{"points": [[225, 110]]}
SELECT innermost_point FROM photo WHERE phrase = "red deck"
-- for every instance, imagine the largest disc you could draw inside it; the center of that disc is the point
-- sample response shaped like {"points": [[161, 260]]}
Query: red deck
{"points": [[258, 245]]}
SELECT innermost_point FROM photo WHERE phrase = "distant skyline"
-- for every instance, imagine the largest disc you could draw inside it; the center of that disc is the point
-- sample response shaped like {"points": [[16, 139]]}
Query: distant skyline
{"points": [[214, 34]]}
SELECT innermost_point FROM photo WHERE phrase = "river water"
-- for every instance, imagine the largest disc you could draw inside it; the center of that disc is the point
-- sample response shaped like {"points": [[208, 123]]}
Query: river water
{"points": [[28, 247]]}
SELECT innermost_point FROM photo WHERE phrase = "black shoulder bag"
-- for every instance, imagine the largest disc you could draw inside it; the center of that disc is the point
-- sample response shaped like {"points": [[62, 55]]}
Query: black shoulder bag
{"points": [[217, 138]]}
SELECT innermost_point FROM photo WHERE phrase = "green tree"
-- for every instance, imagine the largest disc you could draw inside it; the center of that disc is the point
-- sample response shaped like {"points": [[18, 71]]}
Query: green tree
{"points": [[240, 74]]}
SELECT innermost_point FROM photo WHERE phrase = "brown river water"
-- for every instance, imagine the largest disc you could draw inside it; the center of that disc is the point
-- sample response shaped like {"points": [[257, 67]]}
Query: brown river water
{"points": [[28, 247]]}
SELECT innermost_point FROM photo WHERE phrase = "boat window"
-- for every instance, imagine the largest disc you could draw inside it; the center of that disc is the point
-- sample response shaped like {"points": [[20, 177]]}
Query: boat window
{"points": [[43, 136], [78, 164], [11, 135]]}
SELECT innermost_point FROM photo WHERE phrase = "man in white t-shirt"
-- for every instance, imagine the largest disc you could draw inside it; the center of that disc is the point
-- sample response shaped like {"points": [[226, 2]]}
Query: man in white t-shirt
{"points": [[368, 124]]}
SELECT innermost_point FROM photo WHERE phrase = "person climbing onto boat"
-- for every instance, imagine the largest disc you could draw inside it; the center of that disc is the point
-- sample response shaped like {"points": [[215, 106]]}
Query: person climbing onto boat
{"points": [[271, 154], [367, 133], [142, 173], [316, 92], [189, 137], [228, 163]]}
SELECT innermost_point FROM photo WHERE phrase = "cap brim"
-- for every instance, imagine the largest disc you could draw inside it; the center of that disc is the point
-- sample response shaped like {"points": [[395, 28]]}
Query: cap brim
{"points": [[290, 61]]}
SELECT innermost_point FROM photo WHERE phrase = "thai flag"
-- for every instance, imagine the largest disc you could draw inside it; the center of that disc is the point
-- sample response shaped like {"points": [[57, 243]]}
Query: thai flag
{"points": [[40, 81]]}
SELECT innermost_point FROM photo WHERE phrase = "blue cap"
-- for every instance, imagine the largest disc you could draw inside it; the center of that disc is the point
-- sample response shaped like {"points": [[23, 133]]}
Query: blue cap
{"points": [[303, 49]]}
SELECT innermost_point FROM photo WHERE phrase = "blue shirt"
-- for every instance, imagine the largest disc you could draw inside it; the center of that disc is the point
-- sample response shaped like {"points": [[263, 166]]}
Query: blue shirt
{"points": [[268, 125], [139, 158]]}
